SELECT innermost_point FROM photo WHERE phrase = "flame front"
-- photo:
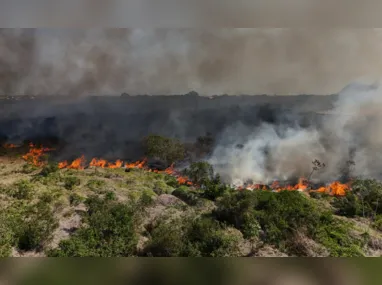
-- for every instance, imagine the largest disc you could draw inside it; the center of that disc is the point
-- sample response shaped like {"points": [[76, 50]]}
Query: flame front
{"points": [[335, 188], [35, 153]]}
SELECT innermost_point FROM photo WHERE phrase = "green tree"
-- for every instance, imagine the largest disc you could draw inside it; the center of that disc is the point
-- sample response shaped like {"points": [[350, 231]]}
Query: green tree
{"points": [[167, 149]]}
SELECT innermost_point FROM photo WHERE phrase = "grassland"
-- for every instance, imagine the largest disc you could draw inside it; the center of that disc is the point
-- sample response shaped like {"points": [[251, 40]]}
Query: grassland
{"points": [[111, 212]]}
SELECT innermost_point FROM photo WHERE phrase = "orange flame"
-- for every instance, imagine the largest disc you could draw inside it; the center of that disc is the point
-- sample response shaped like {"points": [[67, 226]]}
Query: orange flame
{"points": [[35, 153], [137, 164], [336, 188], [63, 164], [9, 145], [117, 164], [98, 163], [78, 163]]}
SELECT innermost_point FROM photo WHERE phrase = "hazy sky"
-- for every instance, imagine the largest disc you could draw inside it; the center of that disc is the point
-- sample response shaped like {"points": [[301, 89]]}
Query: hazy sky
{"points": [[175, 61]]}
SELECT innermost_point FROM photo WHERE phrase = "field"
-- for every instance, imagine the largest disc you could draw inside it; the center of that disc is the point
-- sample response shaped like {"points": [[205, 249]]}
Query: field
{"points": [[134, 212]]}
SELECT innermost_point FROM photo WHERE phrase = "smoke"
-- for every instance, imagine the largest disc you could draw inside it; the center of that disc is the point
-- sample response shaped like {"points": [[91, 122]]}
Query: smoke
{"points": [[176, 61], [349, 132]]}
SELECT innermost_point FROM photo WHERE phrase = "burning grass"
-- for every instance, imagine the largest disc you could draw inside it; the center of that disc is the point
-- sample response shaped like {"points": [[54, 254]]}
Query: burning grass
{"points": [[259, 217]]}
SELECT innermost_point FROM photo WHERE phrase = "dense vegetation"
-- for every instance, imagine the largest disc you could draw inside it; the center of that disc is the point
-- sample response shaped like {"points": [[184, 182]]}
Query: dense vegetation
{"points": [[140, 213]]}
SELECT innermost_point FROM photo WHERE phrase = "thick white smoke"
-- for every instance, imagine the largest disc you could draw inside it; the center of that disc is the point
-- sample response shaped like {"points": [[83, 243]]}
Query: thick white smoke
{"points": [[350, 132]]}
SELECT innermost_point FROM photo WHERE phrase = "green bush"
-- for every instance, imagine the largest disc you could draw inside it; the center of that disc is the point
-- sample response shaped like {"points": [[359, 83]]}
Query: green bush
{"points": [[22, 190], [238, 209], [71, 181], [335, 235], [349, 205], [28, 168], [364, 199], [166, 149], [200, 173], [186, 195], [38, 227], [110, 232], [95, 185], [6, 236], [185, 237], [171, 181], [75, 199], [377, 224], [48, 169]]}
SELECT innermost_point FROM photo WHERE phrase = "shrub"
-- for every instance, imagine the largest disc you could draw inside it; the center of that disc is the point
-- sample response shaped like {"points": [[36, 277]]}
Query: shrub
{"points": [[377, 224], [349, 205], [171, 181], [238, 209], [95, 185], [110, 195], [38, 228], [166, 149], [6, 236], [364, 199], [75, 199], [200, 173], [22, 190], [48, 169], [71, 181], [28, 168], [191, 238], [335, 235], [186, 195], [110, 232]]}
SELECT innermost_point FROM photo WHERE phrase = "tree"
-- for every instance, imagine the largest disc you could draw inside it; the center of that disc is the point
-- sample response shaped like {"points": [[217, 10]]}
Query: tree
{"points": [[166, 149]]}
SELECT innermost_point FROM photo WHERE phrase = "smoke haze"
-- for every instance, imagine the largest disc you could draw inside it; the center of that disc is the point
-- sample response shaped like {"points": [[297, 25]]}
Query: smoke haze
{"points": [[175, 61], [268, 152]]}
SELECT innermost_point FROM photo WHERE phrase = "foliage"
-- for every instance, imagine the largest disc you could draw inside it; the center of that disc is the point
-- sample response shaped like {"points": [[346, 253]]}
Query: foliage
{"points": [[71, 181], [38, 227], [75, 199], [22, 190], [238, 209], [49, 168], [28, 168], [202, 174], [186, 237], [281, 215], [187, 196], [349, 205], [95, 185], [377, 224], [167, 149], [110, 232], [6, 236], [335, 235], [364, 199]]}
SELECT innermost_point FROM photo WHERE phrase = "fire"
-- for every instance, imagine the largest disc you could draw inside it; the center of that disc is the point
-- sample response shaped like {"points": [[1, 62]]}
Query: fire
{"points": [[35, 153], [98, 163], [105, 164], [335, 188], [10, 145], [78, 163], [137, 164], [63, 164]]}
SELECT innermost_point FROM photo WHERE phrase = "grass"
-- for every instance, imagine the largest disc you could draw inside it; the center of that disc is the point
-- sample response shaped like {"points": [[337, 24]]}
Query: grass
{"points": [[114, 208]]}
